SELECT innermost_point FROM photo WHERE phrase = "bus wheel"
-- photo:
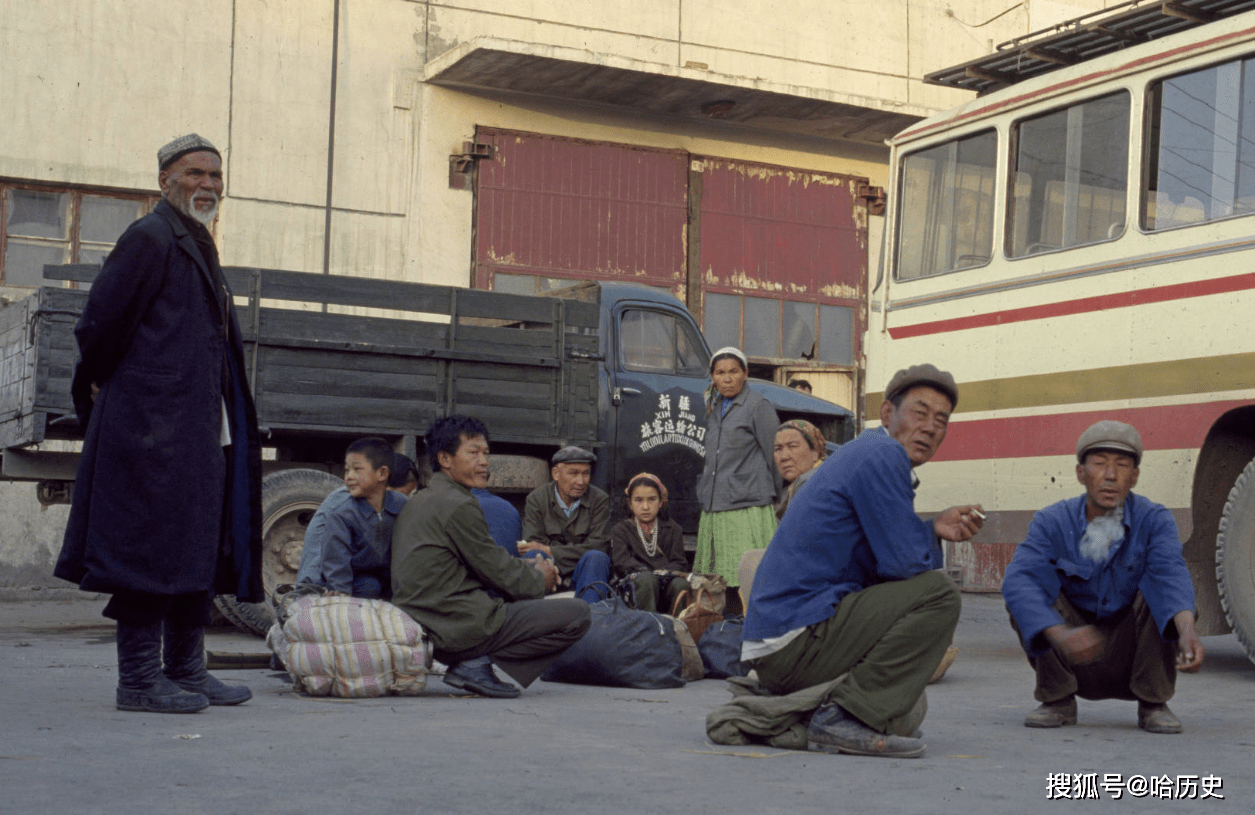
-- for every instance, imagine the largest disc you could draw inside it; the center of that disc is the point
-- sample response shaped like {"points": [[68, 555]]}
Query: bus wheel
{"points": [[289, 499], [1235, 559]]}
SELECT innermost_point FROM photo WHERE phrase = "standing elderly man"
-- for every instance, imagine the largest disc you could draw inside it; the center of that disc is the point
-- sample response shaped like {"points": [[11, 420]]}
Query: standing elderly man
{"points": [[480, 605], [167, 505], [568, 520], [1100, 593], [848, 584]]}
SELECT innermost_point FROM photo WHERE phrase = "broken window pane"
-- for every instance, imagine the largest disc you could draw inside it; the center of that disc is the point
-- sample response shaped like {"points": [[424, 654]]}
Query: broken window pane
{"points": [[799, 329]]}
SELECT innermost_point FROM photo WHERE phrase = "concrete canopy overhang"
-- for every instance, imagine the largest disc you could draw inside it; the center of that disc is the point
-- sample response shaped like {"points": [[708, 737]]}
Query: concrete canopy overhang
{"points": [[572, 74]]}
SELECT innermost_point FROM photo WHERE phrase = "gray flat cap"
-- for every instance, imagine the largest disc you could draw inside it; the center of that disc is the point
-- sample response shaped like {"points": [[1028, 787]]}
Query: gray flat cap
{"points": [[180, 147], [573, 455], [1110, 435], [925, 374]]}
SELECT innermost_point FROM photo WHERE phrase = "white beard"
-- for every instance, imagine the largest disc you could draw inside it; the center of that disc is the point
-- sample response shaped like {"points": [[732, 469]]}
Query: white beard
{"points": [[1101, 534], [204, 217]]}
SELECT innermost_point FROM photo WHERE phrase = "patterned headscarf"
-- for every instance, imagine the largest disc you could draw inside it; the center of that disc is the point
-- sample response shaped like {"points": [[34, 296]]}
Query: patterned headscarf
{"points": [[809, 432], [662, 490], [712, 393]]}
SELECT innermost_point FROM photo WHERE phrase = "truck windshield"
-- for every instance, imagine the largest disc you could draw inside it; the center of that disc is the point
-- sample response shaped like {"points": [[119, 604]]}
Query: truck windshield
{"points": [[657, 342]]}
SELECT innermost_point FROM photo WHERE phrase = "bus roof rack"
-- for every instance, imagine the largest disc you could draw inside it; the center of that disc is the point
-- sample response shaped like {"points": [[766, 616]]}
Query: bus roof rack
{"points": [[1083, 38]]}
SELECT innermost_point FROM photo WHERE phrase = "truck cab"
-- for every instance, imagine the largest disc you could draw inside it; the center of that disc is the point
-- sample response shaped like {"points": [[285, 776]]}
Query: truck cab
{"points": [[651, 408]]}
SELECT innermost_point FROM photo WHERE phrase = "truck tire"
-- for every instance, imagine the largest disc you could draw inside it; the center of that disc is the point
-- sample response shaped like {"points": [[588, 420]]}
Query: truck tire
{"points": [[1235, 559], [289, 499]]}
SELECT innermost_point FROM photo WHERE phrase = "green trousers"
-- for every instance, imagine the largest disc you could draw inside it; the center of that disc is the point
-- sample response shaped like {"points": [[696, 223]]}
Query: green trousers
{"points": [[889, 637]]}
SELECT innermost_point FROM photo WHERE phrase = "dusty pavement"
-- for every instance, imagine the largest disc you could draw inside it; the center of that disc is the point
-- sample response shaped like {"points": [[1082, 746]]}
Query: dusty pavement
{"points": [[566, 748]]}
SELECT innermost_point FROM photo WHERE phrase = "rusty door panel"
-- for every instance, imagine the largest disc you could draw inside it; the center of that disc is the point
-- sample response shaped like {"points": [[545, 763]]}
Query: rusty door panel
{"points": [[562, 208], [784, 234]]}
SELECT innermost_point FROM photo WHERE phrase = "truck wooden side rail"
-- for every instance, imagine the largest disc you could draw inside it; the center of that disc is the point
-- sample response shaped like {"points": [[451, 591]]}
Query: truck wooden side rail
{"points": [[331, 359]]}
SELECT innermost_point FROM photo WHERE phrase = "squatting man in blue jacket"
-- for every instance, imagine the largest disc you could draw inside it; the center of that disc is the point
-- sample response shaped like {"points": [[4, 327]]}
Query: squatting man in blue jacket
{"points": [[1100, 594], [848, 584]]}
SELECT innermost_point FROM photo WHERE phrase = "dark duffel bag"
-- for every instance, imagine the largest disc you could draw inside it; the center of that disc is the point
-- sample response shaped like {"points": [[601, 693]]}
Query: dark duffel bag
{"points": [[720, 648], [623, 648]]}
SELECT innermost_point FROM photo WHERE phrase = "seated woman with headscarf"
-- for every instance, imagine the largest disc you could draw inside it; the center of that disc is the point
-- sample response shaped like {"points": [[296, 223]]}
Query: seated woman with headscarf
{"points": [[798, 452]]}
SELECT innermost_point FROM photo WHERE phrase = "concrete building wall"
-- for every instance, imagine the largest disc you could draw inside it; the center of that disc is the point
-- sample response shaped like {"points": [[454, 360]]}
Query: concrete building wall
{"points": [[91, 88]]}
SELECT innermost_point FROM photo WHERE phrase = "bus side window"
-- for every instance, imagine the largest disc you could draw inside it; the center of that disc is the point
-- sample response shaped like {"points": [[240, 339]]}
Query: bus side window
{"points": [[1071, 177], [1199, 152], [946, 216]]}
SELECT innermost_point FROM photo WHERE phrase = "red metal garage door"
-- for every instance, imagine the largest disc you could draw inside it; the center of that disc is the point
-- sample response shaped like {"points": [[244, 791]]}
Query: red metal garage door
{"points": [[550, 211], [783, 261]]}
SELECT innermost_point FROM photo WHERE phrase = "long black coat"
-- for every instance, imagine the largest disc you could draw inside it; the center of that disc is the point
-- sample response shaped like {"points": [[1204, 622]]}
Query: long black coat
{"points": [[150, 511]]}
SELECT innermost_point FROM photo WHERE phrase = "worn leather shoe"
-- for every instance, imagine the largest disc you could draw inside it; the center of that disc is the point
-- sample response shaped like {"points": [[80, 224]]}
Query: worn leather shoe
{"points": [[1053, 714], [834, 730], [477, 676], [1157, 718]]}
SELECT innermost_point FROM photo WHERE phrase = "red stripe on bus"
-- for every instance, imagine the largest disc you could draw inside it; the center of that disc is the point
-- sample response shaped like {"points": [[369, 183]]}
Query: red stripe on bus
{"points": [[1158, 294], [1166, 427]]}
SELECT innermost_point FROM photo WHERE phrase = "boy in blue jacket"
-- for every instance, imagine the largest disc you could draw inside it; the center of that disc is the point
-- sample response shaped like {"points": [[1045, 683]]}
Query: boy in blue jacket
{"points": [[348, 545]]}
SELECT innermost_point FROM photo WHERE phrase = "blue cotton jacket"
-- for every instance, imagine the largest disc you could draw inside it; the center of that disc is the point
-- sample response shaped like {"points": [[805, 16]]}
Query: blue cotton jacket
{"points": [[853, 526], [346, 537], [1049, 561]]}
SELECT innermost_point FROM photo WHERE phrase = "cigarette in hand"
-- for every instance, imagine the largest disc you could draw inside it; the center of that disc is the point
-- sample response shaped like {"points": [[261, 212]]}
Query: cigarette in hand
{"points": [[977, 513]]}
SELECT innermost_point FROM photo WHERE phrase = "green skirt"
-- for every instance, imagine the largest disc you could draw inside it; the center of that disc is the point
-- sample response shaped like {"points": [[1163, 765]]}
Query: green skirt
{"points": [[723, 537]]}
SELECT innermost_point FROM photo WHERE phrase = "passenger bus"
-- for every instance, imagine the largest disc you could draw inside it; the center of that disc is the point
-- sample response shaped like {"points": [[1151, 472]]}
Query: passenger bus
{"points": [[1078, 243]]}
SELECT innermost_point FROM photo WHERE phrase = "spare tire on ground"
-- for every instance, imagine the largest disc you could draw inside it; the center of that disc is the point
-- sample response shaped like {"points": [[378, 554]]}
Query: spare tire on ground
{"points": [[289, 499]]}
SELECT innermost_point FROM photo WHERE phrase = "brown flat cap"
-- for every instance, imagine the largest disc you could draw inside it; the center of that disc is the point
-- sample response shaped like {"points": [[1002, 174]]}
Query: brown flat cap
{"points": [[573, 455], [1110, 435], [925, 374]]}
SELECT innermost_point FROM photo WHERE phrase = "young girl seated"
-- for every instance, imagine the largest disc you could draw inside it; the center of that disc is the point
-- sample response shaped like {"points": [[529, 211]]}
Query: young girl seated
{"points": [[650, 549]]}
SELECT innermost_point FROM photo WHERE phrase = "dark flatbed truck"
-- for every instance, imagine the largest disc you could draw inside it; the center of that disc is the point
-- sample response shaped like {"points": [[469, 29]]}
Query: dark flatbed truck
{"points": [[618, 368]]}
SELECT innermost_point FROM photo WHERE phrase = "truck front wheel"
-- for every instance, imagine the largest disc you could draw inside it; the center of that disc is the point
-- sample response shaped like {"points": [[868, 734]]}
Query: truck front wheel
{"points": [[289, 499], [1235, 559]]}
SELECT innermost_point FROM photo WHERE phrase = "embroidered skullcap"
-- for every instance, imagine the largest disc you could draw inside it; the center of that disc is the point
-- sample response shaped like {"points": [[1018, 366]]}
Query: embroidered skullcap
{"points": [[729, 351], [813, 437], [573, 455], [1110, 435], [180, 147], [925, 374], [650, 477]]}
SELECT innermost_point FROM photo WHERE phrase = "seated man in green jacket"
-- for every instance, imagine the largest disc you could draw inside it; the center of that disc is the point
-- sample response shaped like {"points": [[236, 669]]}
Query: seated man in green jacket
{"points": [[478, 604], [568, 520]]}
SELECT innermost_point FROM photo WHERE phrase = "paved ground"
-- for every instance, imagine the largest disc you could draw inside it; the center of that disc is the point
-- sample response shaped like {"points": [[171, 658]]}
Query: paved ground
{"points": [[565, 748]]}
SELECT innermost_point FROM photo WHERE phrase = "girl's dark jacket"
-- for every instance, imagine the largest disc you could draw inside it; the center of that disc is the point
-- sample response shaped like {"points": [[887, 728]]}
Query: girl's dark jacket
{"points": [[160, 506]]}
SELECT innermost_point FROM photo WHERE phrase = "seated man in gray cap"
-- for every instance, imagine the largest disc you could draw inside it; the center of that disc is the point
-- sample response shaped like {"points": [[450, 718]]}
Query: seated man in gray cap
{"points": [[568, 520], [1100, 594], [849, 583]]}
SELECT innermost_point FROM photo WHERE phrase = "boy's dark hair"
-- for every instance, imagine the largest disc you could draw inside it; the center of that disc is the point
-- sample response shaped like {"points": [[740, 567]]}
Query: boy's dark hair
{"points": [[377, 451], [445, 436], [800, 383], [403, 469]]}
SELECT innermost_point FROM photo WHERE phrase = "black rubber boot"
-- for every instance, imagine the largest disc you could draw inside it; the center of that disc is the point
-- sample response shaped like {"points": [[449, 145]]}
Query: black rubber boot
{"points": [[141, 685], [185, 666]]}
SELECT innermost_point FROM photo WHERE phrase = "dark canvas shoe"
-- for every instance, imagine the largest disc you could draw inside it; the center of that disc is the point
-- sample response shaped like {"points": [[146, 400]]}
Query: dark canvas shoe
{"points": [[477, 676], [1157, 718], [1053, 714], [833, 730]]}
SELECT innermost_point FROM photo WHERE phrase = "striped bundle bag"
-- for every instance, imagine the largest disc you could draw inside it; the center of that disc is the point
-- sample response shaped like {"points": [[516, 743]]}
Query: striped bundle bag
{"points": [[335, 645]]}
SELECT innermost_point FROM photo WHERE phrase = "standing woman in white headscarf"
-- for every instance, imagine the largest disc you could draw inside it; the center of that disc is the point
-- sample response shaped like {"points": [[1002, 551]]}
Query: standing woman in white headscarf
{"points": [[739, 484]]}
